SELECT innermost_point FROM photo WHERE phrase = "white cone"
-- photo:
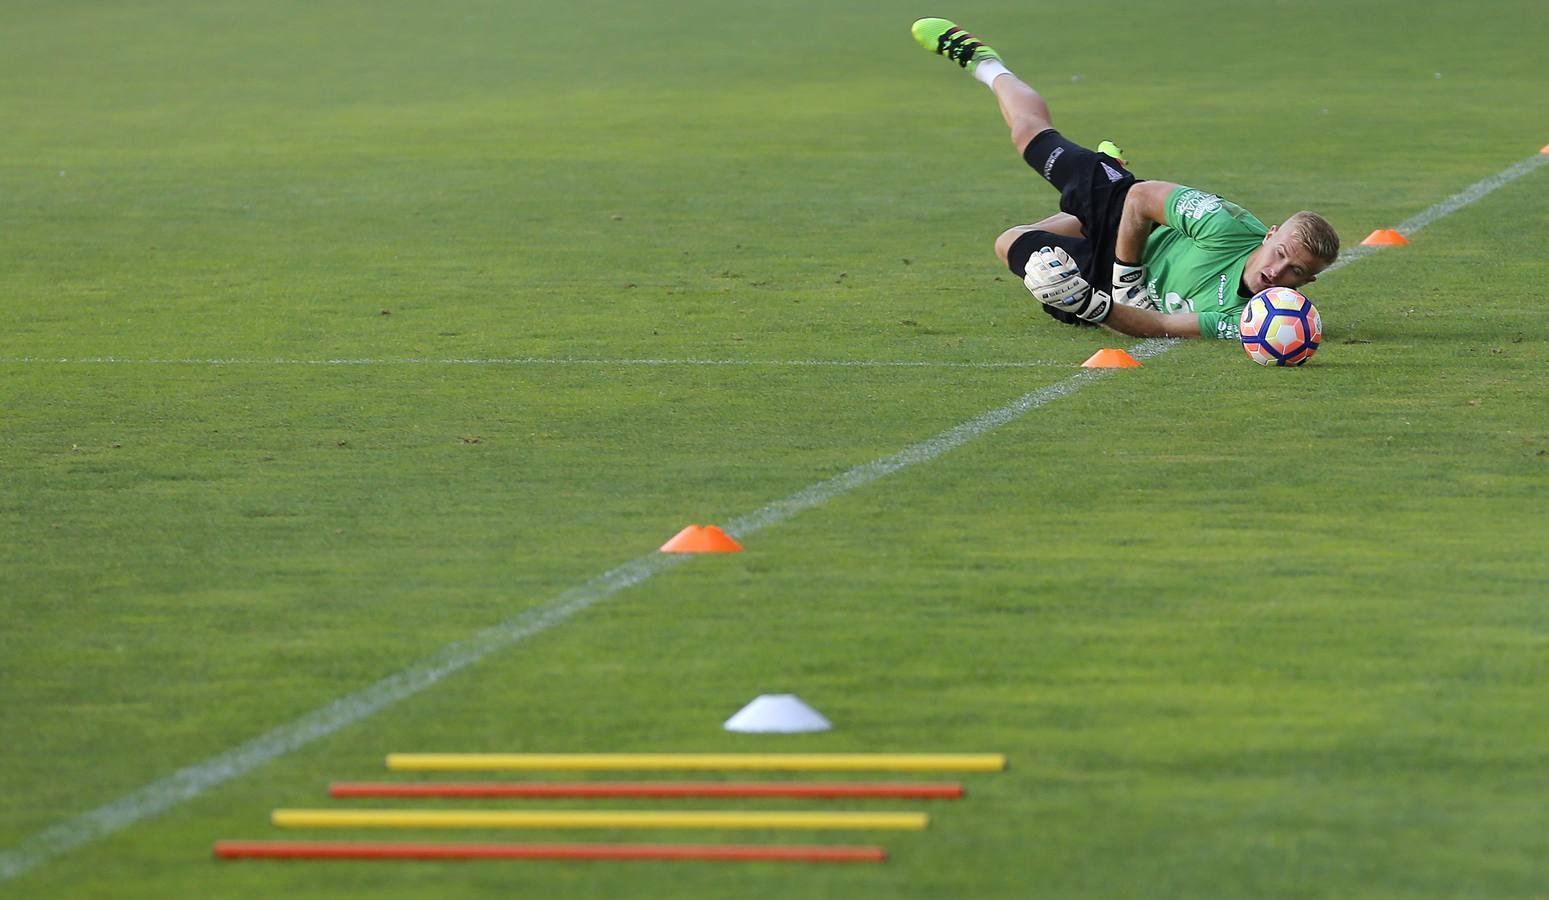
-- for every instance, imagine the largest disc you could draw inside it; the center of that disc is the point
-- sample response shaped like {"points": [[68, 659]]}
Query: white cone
{"points": [[777, 714]]}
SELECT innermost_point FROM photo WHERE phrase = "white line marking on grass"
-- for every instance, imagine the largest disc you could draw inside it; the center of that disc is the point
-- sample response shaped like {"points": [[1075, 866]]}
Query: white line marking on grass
{"points": [[1471, 194], [190, 782], [950, 439], [544, 361]]}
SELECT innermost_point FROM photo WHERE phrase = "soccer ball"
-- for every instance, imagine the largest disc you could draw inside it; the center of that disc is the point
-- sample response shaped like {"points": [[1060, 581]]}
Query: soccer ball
{"points": [[1280, 327]]}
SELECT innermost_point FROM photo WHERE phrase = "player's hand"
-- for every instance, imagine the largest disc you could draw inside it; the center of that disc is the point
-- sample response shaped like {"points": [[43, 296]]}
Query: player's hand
{"points": [[1053, 278], [1129, 286]]}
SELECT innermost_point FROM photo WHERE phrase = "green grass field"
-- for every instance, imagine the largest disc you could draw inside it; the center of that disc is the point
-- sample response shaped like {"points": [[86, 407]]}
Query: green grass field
{"points": [[324, 333]]}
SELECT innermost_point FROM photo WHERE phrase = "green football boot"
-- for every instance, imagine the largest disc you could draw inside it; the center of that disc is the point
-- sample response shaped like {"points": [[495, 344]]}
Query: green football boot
{"points": [[1112, 149], [946, 39]]}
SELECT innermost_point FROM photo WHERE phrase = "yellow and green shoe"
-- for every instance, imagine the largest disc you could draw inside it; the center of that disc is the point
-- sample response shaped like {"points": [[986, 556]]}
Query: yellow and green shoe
{"points": [[944, 38], [1112, 149]]}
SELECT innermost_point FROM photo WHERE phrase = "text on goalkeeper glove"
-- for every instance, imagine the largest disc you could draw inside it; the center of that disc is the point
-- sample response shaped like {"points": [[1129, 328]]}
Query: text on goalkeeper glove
{"points": [[1053, 278], [1129, 286]]}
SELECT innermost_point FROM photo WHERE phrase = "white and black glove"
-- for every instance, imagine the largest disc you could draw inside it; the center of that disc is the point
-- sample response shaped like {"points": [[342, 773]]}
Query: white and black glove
{"points": [[1129, 286], [1054, 280]]}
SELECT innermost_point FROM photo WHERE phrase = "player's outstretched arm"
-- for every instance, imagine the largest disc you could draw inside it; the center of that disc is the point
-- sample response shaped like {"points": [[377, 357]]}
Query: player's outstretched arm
{"points": [[1146, 323]]}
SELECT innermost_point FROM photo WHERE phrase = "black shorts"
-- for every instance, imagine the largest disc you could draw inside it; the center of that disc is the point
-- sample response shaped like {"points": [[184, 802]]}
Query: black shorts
{"points": [[1092, 188]]}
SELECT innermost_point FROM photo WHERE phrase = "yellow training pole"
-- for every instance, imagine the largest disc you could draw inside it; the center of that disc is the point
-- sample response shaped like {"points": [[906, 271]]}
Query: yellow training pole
{"points": [[437, 818], [766, 762]]}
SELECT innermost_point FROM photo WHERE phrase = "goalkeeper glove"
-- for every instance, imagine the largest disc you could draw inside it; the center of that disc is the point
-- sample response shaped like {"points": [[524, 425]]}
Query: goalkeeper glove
{"points": [[1053, 279], [1129, 286]]}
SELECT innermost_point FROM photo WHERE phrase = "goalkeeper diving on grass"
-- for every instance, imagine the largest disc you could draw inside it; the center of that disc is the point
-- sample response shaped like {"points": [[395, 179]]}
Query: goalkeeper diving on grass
{"points": [[1145, 258]]}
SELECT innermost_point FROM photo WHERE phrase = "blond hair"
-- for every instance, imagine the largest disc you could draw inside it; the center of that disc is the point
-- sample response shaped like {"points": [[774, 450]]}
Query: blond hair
{"points": [[1315, 235]]}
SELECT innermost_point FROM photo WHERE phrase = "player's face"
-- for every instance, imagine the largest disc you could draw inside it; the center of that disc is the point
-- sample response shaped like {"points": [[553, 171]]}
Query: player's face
{"points": [[1281, 262]]}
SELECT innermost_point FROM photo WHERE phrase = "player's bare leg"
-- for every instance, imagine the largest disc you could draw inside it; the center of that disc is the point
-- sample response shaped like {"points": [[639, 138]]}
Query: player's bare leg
{"points": [[1059, 223], [1024, 109]]}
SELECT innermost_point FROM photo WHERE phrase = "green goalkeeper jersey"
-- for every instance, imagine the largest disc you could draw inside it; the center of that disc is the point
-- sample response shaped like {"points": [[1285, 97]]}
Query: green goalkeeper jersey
{"points": [[1195, 261]]}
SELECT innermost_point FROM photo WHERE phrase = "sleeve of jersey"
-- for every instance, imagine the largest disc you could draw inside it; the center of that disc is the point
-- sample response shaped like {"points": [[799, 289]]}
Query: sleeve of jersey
{"points": [[1223, 326], [1205, 218]]}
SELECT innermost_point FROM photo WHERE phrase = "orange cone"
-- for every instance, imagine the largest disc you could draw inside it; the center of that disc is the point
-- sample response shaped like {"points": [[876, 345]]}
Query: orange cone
{"points": [[1385, 237], [1110, 359], [695, 539], [1545, 150]]}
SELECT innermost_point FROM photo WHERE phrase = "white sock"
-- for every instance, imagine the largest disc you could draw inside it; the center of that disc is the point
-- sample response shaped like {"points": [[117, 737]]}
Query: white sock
{"points": [[989, 70]]}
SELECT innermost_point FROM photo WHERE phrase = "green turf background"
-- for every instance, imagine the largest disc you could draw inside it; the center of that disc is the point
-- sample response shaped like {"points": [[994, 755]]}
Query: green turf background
{"points": [[1243, 633]]}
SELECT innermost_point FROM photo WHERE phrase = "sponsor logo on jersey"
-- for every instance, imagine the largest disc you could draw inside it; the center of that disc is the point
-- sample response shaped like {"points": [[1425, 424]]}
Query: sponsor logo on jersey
{"points": [[1197, 204], [1221, 292], [1229, 329], [1113, 174], [1048, 164]]}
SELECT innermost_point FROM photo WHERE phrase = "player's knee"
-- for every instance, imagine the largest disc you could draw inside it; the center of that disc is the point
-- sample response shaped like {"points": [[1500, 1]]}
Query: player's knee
{"points": [[1006, 239], [1024, 131]]}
